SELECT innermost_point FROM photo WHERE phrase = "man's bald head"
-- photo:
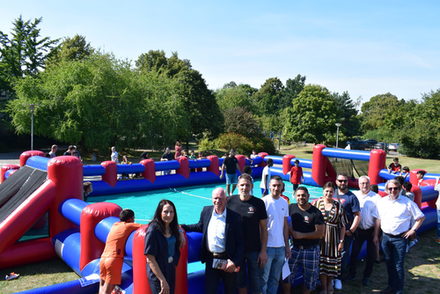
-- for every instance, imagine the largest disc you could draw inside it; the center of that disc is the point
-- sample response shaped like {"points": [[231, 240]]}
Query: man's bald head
{"points": [[219, 200]]}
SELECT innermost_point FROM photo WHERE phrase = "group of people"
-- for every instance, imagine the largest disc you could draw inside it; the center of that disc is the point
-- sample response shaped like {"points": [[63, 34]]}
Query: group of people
{"points": [[247, 240], [71, 151]]}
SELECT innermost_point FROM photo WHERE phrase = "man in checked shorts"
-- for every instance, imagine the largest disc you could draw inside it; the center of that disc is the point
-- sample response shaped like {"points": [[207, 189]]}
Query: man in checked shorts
{"points": [[307, 229]]}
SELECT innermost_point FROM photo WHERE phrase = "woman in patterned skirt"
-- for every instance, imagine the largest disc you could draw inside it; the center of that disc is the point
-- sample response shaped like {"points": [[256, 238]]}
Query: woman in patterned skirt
{"points": [[333, 242]]}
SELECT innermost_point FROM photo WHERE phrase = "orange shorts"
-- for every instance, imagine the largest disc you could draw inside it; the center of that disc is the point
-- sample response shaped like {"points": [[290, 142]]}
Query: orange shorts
{"points": [[110, 270]]}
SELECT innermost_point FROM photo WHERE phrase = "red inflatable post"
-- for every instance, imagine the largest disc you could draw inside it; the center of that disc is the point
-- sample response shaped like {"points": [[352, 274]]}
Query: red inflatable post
{"points": [[91, 215], [417, 195], [241, 161], [4, 169], [214, 166], [25, 155], [66, 173], [286, 163], [150, 170], [184, 166], [263, 155], [319, 164], [110, 176], [377, 162], [140, 279]]}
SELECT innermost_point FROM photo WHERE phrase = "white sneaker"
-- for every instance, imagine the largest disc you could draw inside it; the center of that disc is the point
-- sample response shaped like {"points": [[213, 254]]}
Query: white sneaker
{"points": [[337, 284]]}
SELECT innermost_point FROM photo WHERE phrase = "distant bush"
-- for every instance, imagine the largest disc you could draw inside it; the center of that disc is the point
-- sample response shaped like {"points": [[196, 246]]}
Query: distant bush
{"points": [[240, 143], [264, 144]]}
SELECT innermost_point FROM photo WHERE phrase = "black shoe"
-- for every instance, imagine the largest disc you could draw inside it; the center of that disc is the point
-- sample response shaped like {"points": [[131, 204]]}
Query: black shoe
{"points": [[387, 290], [365, 282]]}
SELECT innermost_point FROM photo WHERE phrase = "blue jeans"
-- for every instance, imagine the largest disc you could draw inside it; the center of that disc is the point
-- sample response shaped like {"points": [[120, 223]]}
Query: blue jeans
{"points": [[272, 270], [438, 223], [250, 273], [348, 240], [394, 250]]}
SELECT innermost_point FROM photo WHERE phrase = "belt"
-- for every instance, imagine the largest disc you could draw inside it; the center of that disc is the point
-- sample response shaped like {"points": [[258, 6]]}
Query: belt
{"points": [[395, 236], [303, 247], [221, 255]]}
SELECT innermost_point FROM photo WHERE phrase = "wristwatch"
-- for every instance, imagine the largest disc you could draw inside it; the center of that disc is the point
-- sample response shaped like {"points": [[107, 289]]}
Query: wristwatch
{"points": [[341, 241]]}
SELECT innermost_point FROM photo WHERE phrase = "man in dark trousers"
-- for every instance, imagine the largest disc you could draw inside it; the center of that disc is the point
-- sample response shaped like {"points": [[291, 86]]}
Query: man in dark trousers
{"points": [[230, 165], [222, 243]]}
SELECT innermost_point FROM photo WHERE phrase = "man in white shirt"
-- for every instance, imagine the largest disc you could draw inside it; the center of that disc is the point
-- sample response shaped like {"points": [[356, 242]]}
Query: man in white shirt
{"points": [[365, 232], [265, 178], [222, 243], [277, 230], [395, 215]]}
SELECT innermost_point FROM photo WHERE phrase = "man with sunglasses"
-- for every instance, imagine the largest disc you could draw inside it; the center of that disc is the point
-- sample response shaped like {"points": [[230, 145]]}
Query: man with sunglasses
{"points": [[352, 209], [395, 216]]}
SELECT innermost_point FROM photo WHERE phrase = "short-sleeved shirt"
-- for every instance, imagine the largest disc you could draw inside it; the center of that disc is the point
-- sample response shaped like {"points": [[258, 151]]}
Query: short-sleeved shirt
{"points": [[395, 167], [251, 212], [115, 244], [277, 210], [396, 216], [368, 206], [168, 156], [231, 164], [350, 203], [304, 222], [296, 174]]}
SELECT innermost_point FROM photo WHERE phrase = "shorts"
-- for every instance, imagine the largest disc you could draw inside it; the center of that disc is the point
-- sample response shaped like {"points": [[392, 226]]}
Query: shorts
{"points": [[231, 179], [308, 260], [110, 270]]}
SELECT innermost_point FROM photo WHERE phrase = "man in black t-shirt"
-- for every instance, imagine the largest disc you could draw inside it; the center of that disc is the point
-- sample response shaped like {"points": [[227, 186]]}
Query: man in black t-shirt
{"points": [[230, 164], [166, 157], [254, 221], [307, 229]]}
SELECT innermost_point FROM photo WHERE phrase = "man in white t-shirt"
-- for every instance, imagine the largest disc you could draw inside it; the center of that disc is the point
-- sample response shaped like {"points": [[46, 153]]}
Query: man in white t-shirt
{"points": [[115, 155], [265, 178], [399, 218], [277, 230], [365, 232]]}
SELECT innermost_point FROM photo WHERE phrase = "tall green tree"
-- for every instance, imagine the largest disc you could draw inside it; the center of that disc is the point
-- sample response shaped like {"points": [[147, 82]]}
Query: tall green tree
{"points": [[23, 52], [291, 91], [347, 114], [75, 48], [269, 97], [233, 95], [312, 116], [198, 101], [420, 134], [381, 117]]}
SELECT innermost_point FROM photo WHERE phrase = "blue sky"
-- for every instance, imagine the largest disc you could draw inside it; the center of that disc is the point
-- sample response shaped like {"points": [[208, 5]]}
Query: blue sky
{"points": [[363, 47]]}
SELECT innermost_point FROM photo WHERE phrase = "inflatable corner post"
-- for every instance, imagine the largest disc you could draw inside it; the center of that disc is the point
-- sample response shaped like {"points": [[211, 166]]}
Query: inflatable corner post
{"points": [[377, 162], [286, 163], [91, 215], [110, 176]]}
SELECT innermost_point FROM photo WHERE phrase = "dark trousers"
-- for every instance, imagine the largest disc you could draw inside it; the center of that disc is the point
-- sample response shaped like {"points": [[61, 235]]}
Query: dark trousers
{"points": [[394, 250], [348, 240], [361, 237], [213, 277]]}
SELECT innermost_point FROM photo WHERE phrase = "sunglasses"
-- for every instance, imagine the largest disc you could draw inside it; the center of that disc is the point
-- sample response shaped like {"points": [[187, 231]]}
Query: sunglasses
{"points": [[393, 188], [342, 181]]}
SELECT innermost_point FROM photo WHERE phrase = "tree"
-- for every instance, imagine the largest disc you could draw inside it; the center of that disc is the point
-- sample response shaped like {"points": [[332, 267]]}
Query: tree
{"points": [[236, 96], [75, 48], [198, 101], [99, 102], [291, 91], [269, 97], [312, 116], [239, 120], [24, 53], [347, 114], [420, 135], [381, 116]]}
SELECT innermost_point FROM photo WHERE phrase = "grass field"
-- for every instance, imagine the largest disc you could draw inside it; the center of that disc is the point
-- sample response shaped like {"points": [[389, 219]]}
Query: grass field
{"points": [[422, 262]]}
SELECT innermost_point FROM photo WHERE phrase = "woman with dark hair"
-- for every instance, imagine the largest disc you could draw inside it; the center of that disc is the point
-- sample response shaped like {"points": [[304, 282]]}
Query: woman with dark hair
{"points": [[333, 242], [162, 245]]}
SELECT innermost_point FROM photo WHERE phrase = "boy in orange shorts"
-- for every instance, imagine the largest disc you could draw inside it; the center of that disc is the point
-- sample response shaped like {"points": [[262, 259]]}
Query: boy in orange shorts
{"points": [[113, 256]]}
